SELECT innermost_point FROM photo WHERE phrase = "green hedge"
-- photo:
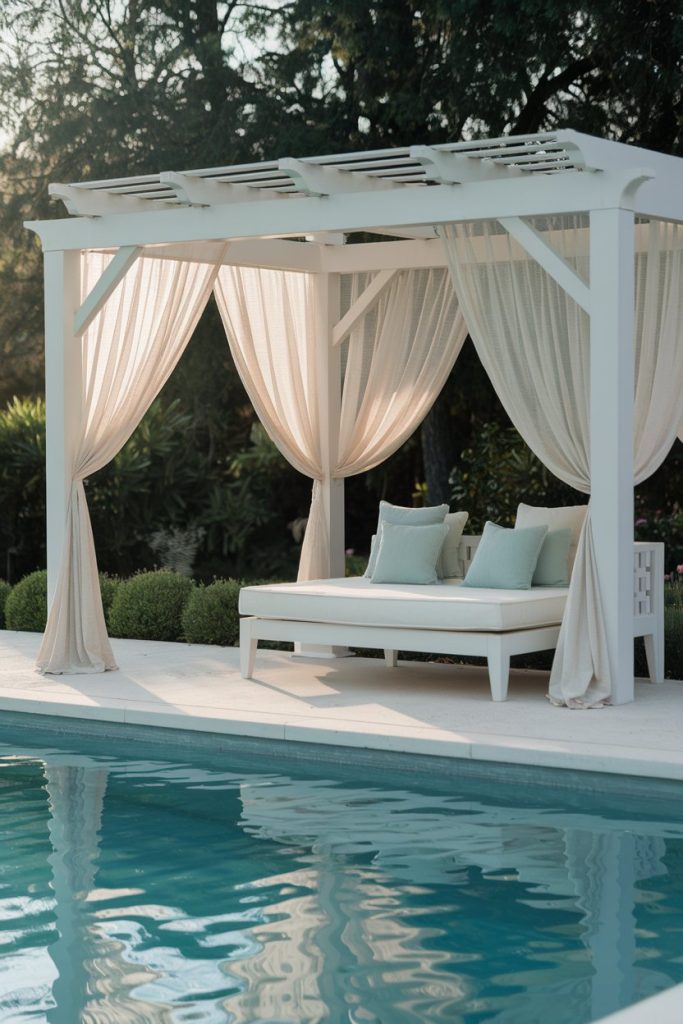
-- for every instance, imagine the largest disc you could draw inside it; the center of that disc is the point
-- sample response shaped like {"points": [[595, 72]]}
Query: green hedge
{"points": [[164, 605], [108, 588], [5, 590], [211, 615], [149, 606], [26, 605]]}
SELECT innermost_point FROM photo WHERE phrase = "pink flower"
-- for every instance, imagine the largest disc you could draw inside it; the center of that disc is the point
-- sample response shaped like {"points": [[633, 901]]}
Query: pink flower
{"points": [[640, 522], [679, 570], [350, 551]]}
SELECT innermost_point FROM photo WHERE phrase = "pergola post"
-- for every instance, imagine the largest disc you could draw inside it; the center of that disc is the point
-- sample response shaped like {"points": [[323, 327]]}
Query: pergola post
{"points": [[327, 305], [63, 373], [612, 276]]}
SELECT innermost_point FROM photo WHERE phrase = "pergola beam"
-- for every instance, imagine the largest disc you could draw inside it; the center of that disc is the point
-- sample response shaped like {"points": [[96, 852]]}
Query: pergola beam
{"points": [[365, 211]]}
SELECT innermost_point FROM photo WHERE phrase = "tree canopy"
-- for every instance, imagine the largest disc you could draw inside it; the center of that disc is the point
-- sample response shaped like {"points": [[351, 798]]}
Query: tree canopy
{"points": [[102, 88]]}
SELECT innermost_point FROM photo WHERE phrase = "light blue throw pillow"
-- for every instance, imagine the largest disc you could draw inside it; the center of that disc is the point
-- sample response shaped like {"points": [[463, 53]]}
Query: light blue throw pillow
{"points": [[400, 515], [505, 559], [552, 568], [408, 554]]}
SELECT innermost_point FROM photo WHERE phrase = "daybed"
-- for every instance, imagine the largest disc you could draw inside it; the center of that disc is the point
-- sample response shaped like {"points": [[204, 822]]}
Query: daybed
{"points": [[442, 618]]}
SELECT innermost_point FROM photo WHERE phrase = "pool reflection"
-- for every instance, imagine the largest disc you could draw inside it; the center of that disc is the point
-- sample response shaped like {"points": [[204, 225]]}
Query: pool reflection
{"points": [[178, 893]]}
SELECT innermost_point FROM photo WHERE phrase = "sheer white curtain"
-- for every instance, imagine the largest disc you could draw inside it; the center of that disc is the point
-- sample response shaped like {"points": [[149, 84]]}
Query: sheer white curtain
{"points": [[269, 319], [128, 353], [534, 341], [397, 360]]}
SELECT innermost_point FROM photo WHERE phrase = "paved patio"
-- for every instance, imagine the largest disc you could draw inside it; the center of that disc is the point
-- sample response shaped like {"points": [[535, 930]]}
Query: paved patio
{"points": [[355, 702]]}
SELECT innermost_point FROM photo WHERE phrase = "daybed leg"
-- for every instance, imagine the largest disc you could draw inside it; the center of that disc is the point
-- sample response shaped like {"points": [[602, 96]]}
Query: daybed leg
{"points": [[654, 653], [499, 668], [390, 658], [248, 645]]}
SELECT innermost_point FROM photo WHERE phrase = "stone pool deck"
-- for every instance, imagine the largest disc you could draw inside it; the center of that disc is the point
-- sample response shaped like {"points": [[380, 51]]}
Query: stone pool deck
{"points": [[355, 702]]}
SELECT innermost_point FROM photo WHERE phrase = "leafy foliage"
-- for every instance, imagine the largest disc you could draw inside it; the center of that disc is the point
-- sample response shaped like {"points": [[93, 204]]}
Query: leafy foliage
{"points": [[22, 486], [151, 484], [96, 89], [108, 587], [666, 527], [5, 590], [673, 641], [211, 615], [497, 473], [149, 606], [26, 605]]}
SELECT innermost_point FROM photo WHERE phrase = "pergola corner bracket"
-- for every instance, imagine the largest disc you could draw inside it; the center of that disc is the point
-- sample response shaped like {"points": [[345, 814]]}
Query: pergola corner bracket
{"points": [[110, 278], [363, 304], [551, 261]]}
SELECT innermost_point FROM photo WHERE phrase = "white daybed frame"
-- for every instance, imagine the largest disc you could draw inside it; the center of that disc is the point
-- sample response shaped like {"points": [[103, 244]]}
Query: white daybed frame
{"points": [[496, 647]]}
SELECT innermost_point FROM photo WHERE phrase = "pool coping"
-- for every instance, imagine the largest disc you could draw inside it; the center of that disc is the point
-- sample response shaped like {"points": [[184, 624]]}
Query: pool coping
{"points": [[353, 704], [509, 750]]}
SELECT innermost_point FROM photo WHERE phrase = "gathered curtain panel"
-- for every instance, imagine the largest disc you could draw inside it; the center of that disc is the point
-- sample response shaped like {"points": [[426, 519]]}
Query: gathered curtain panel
{"points": [[534, 342], [128, 353], [397, 359]]}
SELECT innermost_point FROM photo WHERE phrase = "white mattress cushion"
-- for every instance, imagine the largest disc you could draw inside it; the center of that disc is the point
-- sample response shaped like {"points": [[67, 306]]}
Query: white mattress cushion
{"points": [[444, 605]]}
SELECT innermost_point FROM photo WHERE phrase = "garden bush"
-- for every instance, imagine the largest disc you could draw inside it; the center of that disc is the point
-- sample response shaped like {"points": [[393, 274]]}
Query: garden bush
{"points": [[26, 605], [108, 587], [5, 589], [149, 606], [211, 615]]}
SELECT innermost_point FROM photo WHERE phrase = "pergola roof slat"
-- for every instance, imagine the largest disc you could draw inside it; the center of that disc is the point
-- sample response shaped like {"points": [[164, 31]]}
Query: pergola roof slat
{"points": [[506, 159], [397, 166]]}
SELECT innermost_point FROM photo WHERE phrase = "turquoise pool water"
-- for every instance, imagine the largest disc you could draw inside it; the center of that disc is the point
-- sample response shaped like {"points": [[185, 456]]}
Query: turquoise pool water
{"points": [[139, 885]]}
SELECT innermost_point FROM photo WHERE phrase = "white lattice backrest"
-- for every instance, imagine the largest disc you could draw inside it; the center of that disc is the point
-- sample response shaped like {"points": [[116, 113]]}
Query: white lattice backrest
{"points": [[648, 578]]}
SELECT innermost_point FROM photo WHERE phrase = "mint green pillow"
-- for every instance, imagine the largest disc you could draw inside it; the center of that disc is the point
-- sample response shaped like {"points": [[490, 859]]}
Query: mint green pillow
{"points": [[401, 515], [505, 559], [408, 554], [552, 567]]}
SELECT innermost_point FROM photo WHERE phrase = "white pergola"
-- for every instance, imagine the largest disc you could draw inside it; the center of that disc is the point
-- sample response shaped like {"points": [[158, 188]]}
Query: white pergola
{"points": [[294, 215]]}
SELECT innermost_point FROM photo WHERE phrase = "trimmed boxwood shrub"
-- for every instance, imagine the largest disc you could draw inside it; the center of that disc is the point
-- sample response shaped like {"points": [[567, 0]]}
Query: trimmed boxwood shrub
{"points": [[211, 615], [108, 587], [26, 605], [673, 641], [5, 589], [149, 606]]}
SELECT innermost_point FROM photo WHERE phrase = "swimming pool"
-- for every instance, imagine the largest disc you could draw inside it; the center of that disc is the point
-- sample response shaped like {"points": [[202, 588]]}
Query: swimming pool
{"points": [[153, 884]]}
